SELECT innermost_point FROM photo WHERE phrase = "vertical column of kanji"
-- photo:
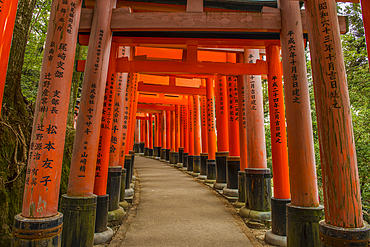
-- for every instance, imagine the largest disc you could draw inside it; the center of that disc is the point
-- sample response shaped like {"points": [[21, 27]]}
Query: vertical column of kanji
{"points": [[102, 161], [211, 131], [173, 137], [302, 169], [8, 10], [168, 135], [160, 126], [132, 115], [151, 134], [197, 136], [257, 172], [233, 160], [155, 154], [85, 148], [146, 124], [136, 144], [41, 192], [186, 138], [222, 123], [343, 208], [177, 135], [191, 134], [204, 153], [142, 135], [365, 6]]}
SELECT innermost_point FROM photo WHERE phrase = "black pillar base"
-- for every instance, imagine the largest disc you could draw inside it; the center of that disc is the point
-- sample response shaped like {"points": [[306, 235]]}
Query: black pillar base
{"points": [[190, 163], [303, 225], [339, 236], [128, 190], [156, 152], [123, 185], [168, 155], [136, 148], [185, 160], [38, 232], [101, 221], [146, 151], [175, 158], [79, 220], [163, 154], [132, 164], [150, 153], [203, 166], [114, 186], [141, 147], [278, 215], [171, 157], [241, 190], [258, 189], [232, 168], [221, 181], [181, 151], [211, 172], [196, 166]]}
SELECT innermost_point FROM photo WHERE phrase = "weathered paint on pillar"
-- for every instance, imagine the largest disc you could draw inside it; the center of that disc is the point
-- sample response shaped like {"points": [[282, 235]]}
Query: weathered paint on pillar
{"points": [[85, 148], [102, 161], [222, 114], [177, 128], [164, 129], [302, 168], [156, 136], [159, 133], [232, 97], [197, 128], [168, 130], [41, 192], [173, 131], [212, 148], [337, 147], [186, 128], [191, 125], [150, 129], [242, 84], [146, 133], [256, 145], [204, 124], [277, 125], [142, 130], [7, 19], [182, 141], [131, 127], [365, 6]]}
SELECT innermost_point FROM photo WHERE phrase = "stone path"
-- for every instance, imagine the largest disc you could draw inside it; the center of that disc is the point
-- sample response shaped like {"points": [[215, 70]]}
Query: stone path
{"points": [[176, 210]]}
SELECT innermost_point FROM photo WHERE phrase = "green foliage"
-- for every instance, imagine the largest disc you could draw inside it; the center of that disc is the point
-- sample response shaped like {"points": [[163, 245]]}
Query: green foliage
{"points": [[35, 49]]}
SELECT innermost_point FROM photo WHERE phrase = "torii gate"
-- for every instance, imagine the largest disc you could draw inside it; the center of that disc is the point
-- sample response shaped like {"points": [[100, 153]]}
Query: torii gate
{"points": [[342, 201]]}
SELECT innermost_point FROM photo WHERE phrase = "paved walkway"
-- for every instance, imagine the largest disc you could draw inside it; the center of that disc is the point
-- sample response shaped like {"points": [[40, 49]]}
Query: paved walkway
{"points": [[175, 210]]}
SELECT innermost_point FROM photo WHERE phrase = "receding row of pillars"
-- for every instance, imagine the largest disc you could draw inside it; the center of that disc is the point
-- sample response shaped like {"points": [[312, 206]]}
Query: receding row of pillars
{"points": [[106, 128]]}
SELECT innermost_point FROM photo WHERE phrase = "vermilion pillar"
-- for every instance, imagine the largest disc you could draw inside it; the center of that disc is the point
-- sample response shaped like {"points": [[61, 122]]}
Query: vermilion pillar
{"points": [[186, 137], [365, 6], [164, 138], [142, 135], [204, 153], [7, 18], [191, 134], [41, 192], [242, 84], [181, 134], [168, 135], [302, 169], [211, 130], [197, 136], [173, 131], [222, 118], [150, 134], [343, 208], [85, 148], [156, 135], [132, 115], [177, 128], [102, 162]]}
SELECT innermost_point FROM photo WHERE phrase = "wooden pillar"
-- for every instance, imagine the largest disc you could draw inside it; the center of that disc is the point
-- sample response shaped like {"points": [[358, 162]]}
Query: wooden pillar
{"points": [[302, 169], [102, 161], [44, 168], [204, 125], [232, 97], [147, 132], [186, 129], [7, 19], [182, 130], [211, 120], [242, 84], [132, 115], [142, 131], [343, 208], [156, 130], [85, 148], [191, 125], [365, 6], [256, 145], [197, 128], [168, 135], [222, 114], [173, 131], [150, 134], [177, 128]]}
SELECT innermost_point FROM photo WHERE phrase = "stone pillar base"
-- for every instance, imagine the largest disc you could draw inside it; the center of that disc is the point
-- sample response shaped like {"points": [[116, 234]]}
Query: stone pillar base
{"points": [[78, 211], [202, 177], [179, 165], [219, 186], [239, 204], [38, 232], [303, 225], [230, 192], [274, 239], [124, 204], [129, 192], [256, 216], [102, 237], [117, 216]]}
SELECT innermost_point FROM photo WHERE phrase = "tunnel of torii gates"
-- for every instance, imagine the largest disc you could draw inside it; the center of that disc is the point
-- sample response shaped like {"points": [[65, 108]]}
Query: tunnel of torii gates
{"points": [[160, 79]]}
